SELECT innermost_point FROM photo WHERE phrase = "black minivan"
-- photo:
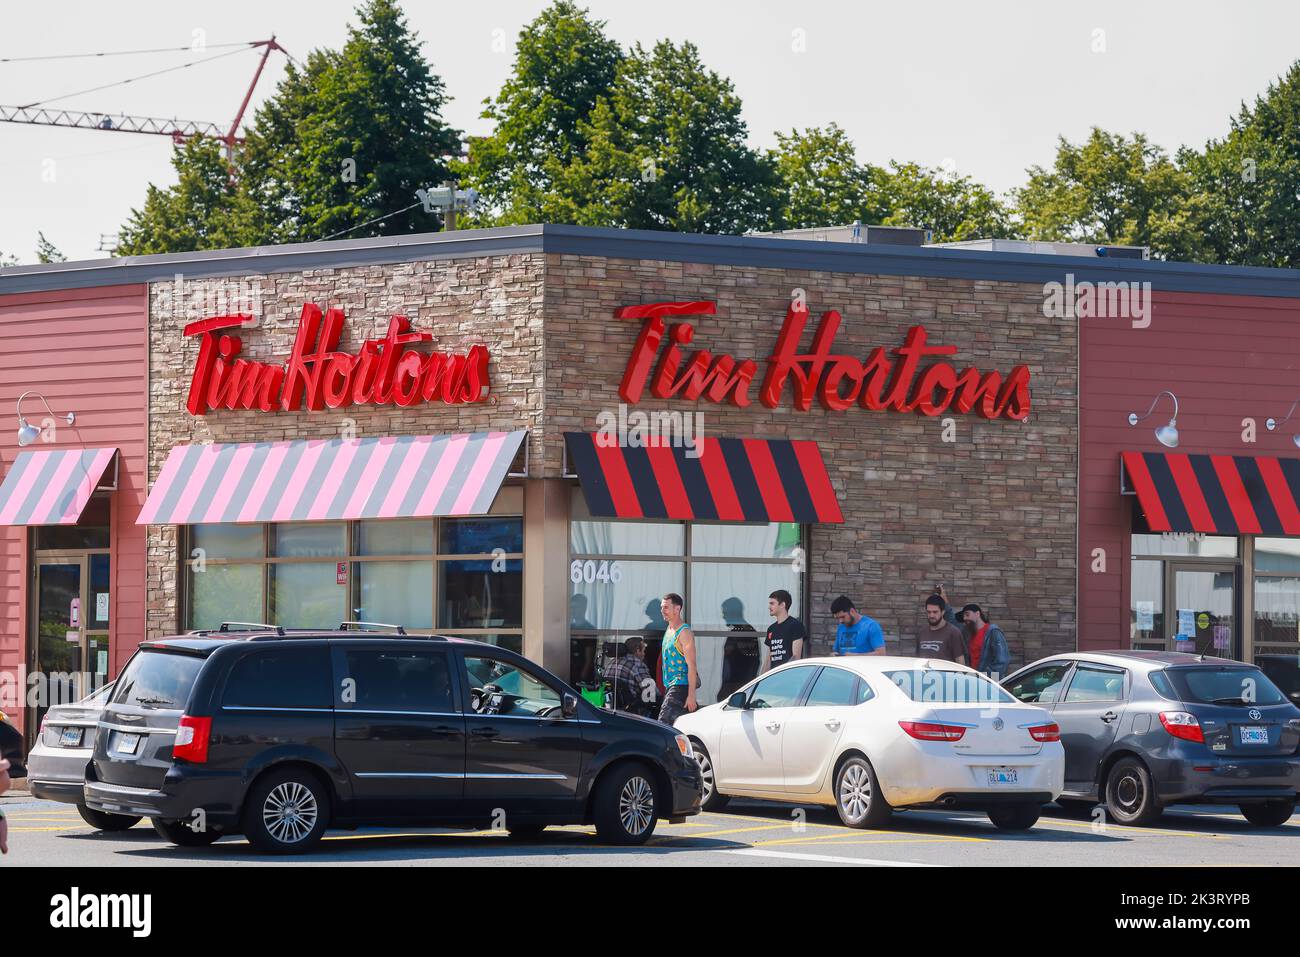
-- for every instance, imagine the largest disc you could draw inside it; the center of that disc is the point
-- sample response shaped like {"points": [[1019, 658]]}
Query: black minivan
{"points": [[278, 736]]}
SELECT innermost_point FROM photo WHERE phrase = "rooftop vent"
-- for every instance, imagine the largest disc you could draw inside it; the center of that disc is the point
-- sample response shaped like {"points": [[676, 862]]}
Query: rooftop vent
{"points": [[1049, 249], [855, 233]]}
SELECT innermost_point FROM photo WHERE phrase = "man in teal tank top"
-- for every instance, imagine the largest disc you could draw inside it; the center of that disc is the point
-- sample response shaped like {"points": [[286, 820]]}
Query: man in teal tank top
{"points": [[677, 656]]}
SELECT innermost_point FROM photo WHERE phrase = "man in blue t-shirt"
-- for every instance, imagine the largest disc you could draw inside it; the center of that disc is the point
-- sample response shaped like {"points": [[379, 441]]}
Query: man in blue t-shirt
{"points": [[856, 634]]}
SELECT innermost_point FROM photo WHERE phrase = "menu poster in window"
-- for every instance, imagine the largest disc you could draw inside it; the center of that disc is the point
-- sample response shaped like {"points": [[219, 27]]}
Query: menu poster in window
{"points": [[1146, 615]]}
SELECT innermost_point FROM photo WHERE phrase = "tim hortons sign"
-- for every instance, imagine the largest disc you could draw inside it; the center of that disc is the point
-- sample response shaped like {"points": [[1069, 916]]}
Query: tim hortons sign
{"points": [[893, 381], [317, 376]]}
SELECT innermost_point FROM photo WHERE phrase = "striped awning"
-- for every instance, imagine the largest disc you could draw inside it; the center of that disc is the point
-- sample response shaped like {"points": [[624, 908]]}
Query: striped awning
{"points": [[739, 480], [51, 486], [1219, 494], [323, 479]]}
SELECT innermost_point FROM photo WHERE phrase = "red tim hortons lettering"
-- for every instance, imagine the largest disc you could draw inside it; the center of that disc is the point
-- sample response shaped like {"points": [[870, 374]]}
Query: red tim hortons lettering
{"points": [[318, 376]]}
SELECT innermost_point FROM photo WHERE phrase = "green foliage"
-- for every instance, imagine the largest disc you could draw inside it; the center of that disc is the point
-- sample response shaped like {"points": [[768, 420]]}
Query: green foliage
{"points": [[1109, 189], [563, 64], [667, 150], [953, 207], [345, 140], [822, 183], [46, 251]]}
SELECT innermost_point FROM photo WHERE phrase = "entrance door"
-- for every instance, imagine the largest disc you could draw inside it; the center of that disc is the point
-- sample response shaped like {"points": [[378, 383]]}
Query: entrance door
{"points": [[71, 627], [1202, 617]]}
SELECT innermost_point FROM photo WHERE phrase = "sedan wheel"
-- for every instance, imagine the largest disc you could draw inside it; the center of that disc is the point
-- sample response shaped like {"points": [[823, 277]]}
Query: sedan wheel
{"points": [[857, 795], [713, 801]]}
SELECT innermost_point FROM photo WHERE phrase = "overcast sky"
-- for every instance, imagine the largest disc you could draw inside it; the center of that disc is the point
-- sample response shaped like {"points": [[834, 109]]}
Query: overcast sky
{"points": [[985, 86]]}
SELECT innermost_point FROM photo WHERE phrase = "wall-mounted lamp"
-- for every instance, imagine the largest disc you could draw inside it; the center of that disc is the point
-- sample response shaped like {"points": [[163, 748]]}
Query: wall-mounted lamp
{"points": [[1166, 435], [28, 433], [1272, 424]]}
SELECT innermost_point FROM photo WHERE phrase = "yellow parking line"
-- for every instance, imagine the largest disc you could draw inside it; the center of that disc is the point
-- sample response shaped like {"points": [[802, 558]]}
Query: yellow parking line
{"points": [[889, 837], [734, 830], [1128, 828], [936, 840], [81, 826], [749, 817]]}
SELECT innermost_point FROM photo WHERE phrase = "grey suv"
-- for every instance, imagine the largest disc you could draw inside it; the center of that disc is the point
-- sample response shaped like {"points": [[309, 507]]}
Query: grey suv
{"points": [[1144, 729]]}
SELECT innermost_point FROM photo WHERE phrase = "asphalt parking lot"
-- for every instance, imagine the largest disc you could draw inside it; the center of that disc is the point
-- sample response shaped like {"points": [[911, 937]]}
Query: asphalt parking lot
{"points": [[745, 835]]}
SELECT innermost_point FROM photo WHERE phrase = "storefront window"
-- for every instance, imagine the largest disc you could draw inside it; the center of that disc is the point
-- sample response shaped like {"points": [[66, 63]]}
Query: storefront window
{"points": [[1147, 606], [1185, 544], [1277, 595], [774, 540], [472, 585], [621, 595], [627, 538]]}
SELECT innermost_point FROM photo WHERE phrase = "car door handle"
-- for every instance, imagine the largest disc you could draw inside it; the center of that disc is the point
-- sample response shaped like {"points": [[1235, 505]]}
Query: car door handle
{"points": [[833, 724], [773, 726], [484, 732], [1109, 716]]}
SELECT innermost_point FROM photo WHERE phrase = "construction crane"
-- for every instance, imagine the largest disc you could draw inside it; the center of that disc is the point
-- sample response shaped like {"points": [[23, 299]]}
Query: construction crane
{"points": [[178, 130]]}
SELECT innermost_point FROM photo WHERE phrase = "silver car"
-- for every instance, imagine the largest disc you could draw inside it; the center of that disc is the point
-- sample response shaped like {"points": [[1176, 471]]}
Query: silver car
{"points": [[56, 766]]}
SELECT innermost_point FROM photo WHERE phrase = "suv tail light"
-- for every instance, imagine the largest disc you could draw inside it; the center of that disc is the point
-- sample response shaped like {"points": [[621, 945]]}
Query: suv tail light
{"points": [[192, 739], [1045, 732], [1180, 724], [928, 731]]}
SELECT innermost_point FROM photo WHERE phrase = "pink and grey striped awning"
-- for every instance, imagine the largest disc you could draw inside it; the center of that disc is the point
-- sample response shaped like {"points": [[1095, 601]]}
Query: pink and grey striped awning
{"points": [[322, 479], [51, 486]]}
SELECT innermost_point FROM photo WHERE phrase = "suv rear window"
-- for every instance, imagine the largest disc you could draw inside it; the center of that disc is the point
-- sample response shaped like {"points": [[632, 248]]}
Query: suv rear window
{"points": [[281, 678], [1230, 686], [158, 679], [948, 687]]}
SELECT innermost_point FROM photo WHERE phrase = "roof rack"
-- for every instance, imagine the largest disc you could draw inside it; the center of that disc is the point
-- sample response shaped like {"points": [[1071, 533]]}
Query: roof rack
{"points": [[229, 626], [370, 626]]}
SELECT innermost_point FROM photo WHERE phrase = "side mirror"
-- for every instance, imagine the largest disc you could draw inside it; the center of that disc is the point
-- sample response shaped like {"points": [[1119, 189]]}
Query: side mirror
{"points": [[568, 705], [738, 701]]}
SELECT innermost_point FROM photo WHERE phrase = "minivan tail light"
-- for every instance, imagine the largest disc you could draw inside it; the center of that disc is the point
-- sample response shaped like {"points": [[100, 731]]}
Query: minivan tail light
{"points": [[1045, 732], [192, 739], [929, 731], [1180, 724]]}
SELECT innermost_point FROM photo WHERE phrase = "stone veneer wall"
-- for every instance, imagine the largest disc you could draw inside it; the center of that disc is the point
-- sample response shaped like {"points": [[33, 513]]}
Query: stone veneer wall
{"points": [[495, 301], [992, 515]]}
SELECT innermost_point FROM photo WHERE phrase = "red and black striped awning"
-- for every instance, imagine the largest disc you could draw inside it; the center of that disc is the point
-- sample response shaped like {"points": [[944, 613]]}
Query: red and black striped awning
{"points": [[738, 480], [1220, 494]]}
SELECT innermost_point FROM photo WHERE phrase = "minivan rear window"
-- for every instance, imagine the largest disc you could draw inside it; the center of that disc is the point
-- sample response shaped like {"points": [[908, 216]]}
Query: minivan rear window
{"points": [[281, 678], [158, 679], [948, 687], [1227, 686]]}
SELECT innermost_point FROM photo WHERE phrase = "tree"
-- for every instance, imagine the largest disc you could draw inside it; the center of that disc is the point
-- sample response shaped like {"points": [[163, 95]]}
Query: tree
{"points": [[953, 207], [1246, 204], [341, 147], [667, 150], [46, 252], [563, 64], [1109, 189], [822, 183], [202, 211], [8, 259]]}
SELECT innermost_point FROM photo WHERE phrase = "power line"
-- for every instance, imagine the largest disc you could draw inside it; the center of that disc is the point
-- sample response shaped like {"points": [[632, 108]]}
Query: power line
{"points": [[377, 219], [78, 56], [145, 76]]}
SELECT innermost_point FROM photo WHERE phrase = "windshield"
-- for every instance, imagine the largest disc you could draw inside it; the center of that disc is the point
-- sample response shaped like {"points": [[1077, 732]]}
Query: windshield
{"points": [[157, 679], [948, 687], [1228, 686]]}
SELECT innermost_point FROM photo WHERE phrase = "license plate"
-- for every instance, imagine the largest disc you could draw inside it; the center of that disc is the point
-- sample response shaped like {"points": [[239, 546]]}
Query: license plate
{"points": [[1254, 735], [71, 737], [127, 743], [1003, 776]]}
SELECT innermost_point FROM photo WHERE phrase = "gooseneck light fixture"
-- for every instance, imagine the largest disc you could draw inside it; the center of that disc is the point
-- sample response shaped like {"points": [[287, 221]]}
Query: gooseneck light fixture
{"points": [[28, 433], [1166, 435], [1272, 424]]}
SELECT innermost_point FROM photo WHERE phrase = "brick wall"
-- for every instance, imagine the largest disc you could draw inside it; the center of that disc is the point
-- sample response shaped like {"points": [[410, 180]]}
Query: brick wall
{"points": [[495, 301], [992, 514]]}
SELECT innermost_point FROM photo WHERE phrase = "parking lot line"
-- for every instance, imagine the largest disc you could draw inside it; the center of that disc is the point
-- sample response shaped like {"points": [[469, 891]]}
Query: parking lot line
{"points": [[886, 837], [731, 830], [824, 858], [1129, 829]]}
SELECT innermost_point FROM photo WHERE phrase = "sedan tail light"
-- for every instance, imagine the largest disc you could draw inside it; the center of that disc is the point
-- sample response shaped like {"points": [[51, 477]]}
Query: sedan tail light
{"points": [[929, 731], [192, 739], [1180, 724], [1045, 732]]}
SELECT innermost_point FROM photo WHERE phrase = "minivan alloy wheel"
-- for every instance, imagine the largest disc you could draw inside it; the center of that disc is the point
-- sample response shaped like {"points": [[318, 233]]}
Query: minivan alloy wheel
{"points": [[636, 805], [290, 812]]}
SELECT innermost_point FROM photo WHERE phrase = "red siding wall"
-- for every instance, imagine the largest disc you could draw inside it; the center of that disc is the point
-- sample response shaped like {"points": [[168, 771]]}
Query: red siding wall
{"points": [[86, 351], [1227, 358]]}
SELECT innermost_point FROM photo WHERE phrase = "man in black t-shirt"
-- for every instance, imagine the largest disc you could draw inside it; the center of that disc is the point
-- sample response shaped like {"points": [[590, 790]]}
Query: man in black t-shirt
{"points": [[786, 638]]}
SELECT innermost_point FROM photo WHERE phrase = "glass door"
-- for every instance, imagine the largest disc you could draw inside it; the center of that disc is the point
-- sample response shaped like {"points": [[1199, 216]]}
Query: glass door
{"points": [[59, 630], [1202, 617]]}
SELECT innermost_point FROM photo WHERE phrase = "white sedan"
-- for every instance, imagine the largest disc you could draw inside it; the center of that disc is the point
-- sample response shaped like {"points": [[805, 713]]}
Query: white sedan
{"points": [[871, 733]]}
